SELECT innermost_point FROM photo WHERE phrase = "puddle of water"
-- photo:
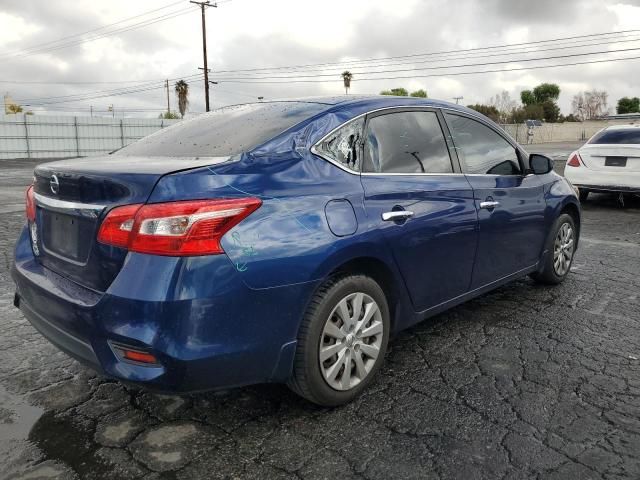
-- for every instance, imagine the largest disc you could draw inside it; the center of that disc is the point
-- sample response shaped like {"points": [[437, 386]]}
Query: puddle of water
{"points": [[16, 416]]}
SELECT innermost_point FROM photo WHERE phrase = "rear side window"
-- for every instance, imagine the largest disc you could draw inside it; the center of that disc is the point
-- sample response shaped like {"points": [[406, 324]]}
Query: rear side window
{"points": [[481, 150], [226, 131], [406, 142], [344, 145], [628, 136]]}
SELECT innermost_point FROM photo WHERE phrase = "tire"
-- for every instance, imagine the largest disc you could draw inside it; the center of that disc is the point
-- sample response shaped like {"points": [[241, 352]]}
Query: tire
{"points": [[551, 274], [583, 194], [323, 325]]}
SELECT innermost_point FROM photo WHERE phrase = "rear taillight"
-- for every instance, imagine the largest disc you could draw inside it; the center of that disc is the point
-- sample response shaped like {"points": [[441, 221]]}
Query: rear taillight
{"points": [[574, 160], [175, 228], [117, 227], [31, 204]]}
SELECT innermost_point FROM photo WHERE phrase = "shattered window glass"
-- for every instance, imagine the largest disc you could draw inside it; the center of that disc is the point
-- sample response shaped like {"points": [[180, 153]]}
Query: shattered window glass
{"points": [[343, 146]]}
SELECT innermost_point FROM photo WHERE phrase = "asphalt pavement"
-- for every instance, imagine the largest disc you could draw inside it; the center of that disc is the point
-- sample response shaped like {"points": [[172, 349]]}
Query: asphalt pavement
{"points": [[527, 382]]}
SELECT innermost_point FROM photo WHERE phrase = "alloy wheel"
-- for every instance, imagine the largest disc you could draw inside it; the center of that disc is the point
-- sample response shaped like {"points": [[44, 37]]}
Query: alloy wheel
{"points": [[351, 341], [563, 250]]}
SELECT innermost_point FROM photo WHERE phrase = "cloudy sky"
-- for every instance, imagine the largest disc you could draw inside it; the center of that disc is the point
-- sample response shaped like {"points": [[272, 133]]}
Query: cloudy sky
{"points": [[72, 74]]}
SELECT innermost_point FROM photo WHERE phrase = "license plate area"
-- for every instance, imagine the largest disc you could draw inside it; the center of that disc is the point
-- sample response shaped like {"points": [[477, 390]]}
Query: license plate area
{"points": [[615, 162], [66, 236]]}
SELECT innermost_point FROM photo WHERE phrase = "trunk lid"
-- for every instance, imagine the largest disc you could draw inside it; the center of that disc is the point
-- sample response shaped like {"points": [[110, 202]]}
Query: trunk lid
{"points": [[72, 198], [611, 158]]}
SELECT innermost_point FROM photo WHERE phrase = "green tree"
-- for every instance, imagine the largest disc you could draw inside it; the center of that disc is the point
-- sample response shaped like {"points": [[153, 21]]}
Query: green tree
{"points": [[551, 111], [487, 110], [544, 97], [419, 93], [398, 92], [182, 91], [169, 116], [526, 112], [628, 105], [545, 92], [347, 76], [527, 97]]}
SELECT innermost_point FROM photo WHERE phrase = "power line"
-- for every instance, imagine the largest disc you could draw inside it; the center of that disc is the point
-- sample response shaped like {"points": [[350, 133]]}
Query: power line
{"points": [[519, 60], [134, 26], [502, 53], [454, 74], [442, 52], [93, 30], [153, 82], [445, 59], [91, 95]]}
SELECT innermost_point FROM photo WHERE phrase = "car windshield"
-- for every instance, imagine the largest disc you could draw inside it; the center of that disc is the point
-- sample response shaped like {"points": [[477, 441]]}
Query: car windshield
{"points": [[225, 131], [628, 136]]}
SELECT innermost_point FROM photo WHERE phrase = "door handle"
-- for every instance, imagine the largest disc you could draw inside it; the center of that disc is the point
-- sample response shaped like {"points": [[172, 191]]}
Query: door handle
{"points": [[490, 205], [396, 215]]}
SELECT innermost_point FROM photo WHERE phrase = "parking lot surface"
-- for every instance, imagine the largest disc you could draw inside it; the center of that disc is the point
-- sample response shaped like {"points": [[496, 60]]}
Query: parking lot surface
{"points": [[525, 382]]}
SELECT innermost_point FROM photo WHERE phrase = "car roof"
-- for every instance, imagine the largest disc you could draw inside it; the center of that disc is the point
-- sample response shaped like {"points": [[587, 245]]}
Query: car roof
{"points": [[372, 102]]}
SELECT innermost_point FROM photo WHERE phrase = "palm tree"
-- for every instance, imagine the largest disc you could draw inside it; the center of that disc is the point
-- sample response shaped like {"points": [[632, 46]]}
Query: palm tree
{"points": [[182, 91], [346, 78]]}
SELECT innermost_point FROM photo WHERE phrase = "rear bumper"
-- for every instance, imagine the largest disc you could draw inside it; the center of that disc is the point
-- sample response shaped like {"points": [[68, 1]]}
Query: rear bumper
{"points": [[205, 326], [601, 181], [65, 341], [608, 188]]}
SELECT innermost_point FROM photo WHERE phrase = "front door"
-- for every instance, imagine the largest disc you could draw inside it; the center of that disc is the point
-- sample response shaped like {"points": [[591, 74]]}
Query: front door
{"points": [[424, 206], [510, 204]]}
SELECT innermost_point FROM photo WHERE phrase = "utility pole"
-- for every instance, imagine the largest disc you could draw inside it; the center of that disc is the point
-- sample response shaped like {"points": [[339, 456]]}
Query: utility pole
{"points": [[91, 108], [457, 99], [168, 106], [203, 5]]}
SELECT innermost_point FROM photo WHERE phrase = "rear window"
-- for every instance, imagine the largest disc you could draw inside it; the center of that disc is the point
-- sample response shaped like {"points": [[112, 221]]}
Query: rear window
{"points": [[226, 131], [622, 136]]}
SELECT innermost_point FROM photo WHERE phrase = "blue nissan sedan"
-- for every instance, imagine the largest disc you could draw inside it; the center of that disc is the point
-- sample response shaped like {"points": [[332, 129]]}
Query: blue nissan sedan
{"points": [[284, 241]]}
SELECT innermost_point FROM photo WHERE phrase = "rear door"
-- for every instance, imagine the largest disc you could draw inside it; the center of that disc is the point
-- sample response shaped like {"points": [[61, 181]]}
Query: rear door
{"points": [[510, 204], [422, 203]]}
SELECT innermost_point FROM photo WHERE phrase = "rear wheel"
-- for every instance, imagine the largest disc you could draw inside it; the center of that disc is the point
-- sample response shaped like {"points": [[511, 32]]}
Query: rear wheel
{"points": [[583, 194], [561, 246], [342, 341]]}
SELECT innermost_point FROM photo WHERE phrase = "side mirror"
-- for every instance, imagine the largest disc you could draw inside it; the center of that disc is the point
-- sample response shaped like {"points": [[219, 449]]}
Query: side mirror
{"points": [[540, 164]]}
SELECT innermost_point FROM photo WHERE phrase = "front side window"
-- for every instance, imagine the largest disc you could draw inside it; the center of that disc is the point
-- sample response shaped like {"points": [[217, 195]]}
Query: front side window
{"points": [[480, 149], [344, 145], [406, 142]]}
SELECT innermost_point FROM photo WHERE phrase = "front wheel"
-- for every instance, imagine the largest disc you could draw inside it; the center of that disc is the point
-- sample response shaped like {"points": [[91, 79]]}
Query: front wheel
{"points": [[342, 341], [561, 246]]}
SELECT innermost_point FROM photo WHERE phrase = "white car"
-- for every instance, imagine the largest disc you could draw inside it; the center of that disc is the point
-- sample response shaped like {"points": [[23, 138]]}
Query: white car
{"points": [[608, 162]]}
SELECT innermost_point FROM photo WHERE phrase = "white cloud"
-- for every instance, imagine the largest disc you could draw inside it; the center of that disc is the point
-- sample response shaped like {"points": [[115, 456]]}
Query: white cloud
{"points": [[13, 29], [255, 33]]}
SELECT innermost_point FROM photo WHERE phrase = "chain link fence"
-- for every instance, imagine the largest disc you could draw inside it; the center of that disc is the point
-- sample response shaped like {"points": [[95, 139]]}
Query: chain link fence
{"points": [[38, 136]]}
